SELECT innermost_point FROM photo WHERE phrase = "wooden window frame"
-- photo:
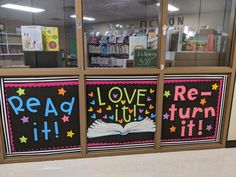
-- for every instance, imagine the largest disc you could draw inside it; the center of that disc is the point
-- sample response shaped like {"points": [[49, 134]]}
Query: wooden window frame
{"points": [[82, 72]]}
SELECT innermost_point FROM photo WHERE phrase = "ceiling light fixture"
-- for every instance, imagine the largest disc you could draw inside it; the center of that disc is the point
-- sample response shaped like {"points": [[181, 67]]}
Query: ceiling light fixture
{"points": [[73, 16], [89, 18], [23, 8], [171, 8], [84, 18]]}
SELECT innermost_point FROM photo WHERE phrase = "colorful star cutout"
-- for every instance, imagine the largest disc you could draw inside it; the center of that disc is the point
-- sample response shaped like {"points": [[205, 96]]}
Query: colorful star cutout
{"points": [[166, 116], [167, 93], [70, 134], [203, 101], [25, 119], [172, 129], [209, 128], [215, 86], [65, 118], [23, 139], [61, 91], [21, 91]]}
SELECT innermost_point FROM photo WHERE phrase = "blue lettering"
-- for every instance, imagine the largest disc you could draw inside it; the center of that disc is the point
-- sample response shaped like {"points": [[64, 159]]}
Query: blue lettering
{"points": [[50, 108], [18, 108]]}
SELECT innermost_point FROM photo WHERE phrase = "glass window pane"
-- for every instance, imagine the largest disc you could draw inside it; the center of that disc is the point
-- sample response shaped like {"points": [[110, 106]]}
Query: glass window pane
{"points": [[37, 34], [121, 33], [199, 32]]}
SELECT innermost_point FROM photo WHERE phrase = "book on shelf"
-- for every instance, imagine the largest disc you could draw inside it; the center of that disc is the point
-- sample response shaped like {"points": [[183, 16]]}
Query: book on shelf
{"points": [[136, 42], [107, 61], [109, 49], [210, 43], [2, 38], [208, 40], [152, 40]]}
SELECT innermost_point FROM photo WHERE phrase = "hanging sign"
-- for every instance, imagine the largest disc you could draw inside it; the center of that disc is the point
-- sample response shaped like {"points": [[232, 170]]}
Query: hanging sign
{"points": [[121, 112], [40, 115], [192, 109]]}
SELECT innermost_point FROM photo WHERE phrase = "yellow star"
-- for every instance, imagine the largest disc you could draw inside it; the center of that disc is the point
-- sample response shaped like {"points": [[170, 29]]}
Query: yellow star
{"points": [[70, 134], [215, 86], [167, 93], [172, 129], [203, 101], [61, 91], [20, 91], [23, 139]]}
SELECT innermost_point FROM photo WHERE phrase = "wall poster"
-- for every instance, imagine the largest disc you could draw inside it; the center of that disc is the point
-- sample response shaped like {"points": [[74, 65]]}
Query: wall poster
{"points": [[121, 112], [193, 109], [50, 38], [40, 115], [32, 38]]}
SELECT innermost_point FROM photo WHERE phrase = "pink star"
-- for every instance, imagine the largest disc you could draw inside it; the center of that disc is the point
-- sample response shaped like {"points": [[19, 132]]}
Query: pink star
{"points": [[25, 119], [209, 127], [65, 118]]}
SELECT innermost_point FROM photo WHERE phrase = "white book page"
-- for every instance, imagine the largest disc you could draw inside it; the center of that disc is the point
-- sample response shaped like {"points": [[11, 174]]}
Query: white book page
{"points": [[146, 125], [100, 128]]}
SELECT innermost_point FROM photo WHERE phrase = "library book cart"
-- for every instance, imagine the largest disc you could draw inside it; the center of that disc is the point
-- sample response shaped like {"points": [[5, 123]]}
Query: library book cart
{"points": [[65, 113]]}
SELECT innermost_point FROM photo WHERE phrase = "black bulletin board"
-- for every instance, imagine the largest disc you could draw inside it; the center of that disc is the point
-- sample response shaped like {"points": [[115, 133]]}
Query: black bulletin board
{"points": [[121, 112], [192, 109], [40, 115]]}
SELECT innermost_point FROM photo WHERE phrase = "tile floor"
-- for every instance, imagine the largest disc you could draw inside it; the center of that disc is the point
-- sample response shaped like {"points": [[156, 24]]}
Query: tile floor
{"points": [[207, 163]]}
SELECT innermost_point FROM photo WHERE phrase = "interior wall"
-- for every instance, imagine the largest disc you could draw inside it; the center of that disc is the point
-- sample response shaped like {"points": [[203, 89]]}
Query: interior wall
{"points": [[232, 127]]}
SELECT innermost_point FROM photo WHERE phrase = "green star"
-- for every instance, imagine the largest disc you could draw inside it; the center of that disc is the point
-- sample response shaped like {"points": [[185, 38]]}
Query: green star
{"points": [[20, 91], [23, 139], [167, 93]]}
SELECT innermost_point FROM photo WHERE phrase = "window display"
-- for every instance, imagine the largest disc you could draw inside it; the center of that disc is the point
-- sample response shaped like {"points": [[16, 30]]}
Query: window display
{"points": [[117, 30], [37, 34], [203, 37]]}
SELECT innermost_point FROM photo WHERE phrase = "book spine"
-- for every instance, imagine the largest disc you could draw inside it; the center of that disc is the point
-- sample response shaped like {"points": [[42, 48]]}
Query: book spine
{"points": [[210, 45]]}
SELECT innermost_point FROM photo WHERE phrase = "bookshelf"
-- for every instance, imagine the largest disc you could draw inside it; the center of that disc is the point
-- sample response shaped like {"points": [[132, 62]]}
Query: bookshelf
{"points": [[10, 44], [11, 54], [207, 47], [108, 54]]}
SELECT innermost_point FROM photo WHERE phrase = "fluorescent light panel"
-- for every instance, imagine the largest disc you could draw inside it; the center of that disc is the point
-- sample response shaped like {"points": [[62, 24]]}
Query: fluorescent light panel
{"points": [[171, 8], [73, 16], [89, 18], [84, 18], [23, 8]]}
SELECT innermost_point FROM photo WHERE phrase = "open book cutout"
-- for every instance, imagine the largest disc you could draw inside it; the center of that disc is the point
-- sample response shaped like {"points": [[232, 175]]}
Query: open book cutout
{"points": [[100, 128]]}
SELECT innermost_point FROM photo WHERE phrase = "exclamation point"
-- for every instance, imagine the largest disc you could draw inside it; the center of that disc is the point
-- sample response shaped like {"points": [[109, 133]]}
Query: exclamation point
{"points": [[200, 127], [56, 129]]}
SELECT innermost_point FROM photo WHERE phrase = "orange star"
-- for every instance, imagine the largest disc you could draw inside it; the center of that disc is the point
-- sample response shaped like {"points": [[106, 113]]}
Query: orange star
{"points": [[172, 129], [203, 101], [61, 91]]}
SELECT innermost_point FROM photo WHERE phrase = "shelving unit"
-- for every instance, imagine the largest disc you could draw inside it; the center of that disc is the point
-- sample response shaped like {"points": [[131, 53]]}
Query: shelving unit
{"points": [[108, 55], [10, 44], [11, 53]]}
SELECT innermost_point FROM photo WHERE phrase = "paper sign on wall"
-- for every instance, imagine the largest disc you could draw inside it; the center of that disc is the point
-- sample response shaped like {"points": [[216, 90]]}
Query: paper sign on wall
{"points": [[192, 109], [50, 38], [32, 38], [121, 112], [40, 115]]}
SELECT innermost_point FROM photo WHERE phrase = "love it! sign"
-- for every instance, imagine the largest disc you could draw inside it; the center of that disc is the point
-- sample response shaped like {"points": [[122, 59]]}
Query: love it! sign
{"points": [[121, 112]]}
